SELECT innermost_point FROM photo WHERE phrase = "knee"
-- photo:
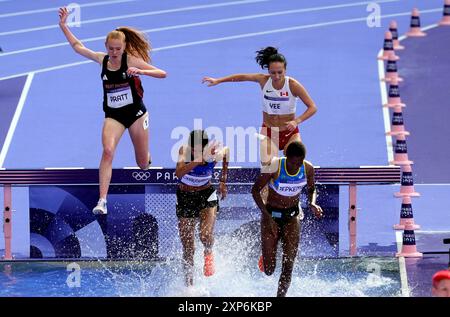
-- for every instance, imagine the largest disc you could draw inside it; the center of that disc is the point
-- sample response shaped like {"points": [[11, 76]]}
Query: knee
{"points": [[143, 165], [267, 167], [188, 245], [205, 237], [108, 153]]}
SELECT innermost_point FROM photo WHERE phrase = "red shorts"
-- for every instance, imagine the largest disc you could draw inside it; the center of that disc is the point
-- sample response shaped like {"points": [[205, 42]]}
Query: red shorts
{"points": [[280, 138]]}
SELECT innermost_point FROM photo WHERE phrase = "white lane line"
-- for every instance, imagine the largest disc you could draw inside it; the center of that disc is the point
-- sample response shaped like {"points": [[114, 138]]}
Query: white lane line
{"points": [[142, 14], [226, 38], [15, 119], [137, 167], [63, 168], [402, 266], [55, 9], [383, 91], [428, 27], [189, 25], [398, 234], [384, 100]]}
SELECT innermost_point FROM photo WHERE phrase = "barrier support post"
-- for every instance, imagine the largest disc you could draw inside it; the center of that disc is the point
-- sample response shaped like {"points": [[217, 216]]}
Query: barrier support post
{"points": [[352, 218], [7, 221]]}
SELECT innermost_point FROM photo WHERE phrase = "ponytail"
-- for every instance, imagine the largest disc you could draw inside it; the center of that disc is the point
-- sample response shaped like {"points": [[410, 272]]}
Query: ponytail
{"points": [[136, 43], [269, 55]]}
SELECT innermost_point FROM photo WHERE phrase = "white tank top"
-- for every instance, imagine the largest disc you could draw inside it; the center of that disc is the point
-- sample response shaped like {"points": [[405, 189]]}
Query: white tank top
{"points": [[278, 101]]}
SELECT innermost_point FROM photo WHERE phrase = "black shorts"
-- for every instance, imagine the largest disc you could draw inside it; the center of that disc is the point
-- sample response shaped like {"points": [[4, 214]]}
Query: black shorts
{"points": [[126, 115], [283, 216], [189, 204]]}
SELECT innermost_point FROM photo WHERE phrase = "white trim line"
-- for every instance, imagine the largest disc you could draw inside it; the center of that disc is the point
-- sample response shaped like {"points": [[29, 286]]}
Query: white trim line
{"points": [[384, 100], [43, 70], [432, 184], [188, 25], [431, 26], [137, 168], [15, 119], [55, 9], [142, 14], [432, 231], [221, 39], [174, 27], [376, 166], [402, 266], [63, 168]]}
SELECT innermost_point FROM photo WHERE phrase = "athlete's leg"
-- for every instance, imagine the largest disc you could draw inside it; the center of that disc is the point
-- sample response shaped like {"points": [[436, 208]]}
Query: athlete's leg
{"points": [[186, 227], [139, 136], [268, 150], [289, 240], [111, 134], [207, 221], [269, 242]]}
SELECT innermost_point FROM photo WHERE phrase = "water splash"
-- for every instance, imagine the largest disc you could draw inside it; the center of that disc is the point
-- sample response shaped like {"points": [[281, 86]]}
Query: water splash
{"points": [[237, 274]]}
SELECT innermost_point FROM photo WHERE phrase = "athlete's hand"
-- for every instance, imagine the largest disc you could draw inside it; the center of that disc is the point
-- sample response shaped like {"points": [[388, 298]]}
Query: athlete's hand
{"points": [[291, 125], [63, 14], [211, 81], [223, 190], [133, 71], [317, 210], [211, 150]]}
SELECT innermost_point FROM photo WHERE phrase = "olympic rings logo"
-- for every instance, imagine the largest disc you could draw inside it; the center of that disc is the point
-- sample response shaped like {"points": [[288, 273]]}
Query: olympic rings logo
{"points": [[141, 176]]}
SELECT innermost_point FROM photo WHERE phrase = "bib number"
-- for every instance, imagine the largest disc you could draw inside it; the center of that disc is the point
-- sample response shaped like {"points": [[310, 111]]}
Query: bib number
{"points": [[119, 97]]}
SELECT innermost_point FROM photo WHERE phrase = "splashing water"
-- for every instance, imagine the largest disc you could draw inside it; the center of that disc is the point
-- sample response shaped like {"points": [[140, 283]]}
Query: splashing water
{"points": [[237, 274]]}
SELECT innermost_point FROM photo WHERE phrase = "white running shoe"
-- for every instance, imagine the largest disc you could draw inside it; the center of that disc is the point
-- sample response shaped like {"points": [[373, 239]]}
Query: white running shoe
{"points": [[100, 209]]}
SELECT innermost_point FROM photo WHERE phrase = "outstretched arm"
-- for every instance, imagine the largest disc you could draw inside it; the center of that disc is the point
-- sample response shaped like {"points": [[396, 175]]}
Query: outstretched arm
{"points": [[76, 43], [182, 167], [312, 195], [260, 78]]}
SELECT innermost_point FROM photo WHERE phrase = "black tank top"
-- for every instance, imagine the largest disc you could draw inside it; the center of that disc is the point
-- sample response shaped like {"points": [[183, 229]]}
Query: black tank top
{"points": [[120, 89]]}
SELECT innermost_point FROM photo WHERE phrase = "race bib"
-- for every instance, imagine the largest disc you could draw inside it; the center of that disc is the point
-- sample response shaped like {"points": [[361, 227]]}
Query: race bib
{"points": [[290, 189], [120, 97], [195, 181], [145, 123]]}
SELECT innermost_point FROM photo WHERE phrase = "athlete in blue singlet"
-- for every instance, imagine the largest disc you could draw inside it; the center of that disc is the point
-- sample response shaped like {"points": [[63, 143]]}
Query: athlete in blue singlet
{"points": [[197, 198], [280, 217]]}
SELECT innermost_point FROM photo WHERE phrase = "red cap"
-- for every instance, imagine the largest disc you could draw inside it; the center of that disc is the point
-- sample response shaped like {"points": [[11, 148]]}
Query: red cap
{"points": [[441, 275]]}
